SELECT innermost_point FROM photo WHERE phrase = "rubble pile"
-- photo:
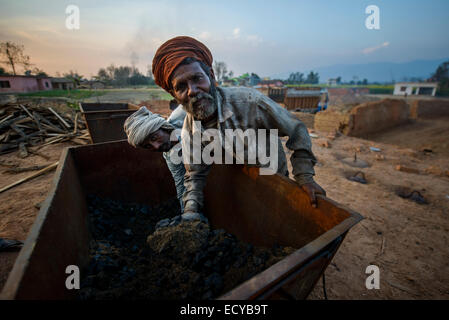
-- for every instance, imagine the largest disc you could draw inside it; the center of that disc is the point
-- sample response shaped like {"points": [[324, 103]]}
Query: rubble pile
{"points": [[22, 127], [142, 252]]}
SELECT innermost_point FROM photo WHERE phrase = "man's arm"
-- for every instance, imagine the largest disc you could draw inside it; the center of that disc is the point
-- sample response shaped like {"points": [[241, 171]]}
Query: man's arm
{"points": [[178, 171], [196, 174], [194, 182], [302, 159], [274, 116]]}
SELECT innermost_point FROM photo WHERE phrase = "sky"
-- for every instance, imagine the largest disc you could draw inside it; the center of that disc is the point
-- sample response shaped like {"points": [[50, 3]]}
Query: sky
{"points": [[269, 38]]}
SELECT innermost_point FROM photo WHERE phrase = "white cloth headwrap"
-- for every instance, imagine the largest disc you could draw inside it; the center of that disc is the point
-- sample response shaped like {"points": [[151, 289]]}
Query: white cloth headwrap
{"points": [[143, 123]]}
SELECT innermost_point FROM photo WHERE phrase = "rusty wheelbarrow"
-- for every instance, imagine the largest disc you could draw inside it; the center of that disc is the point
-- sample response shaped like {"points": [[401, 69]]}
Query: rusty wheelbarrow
{"points": [[105, 120], [262, 210]]}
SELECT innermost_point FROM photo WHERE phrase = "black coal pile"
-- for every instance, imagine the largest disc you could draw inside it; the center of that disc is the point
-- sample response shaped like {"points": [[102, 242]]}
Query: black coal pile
{"points": [[142, 252]]}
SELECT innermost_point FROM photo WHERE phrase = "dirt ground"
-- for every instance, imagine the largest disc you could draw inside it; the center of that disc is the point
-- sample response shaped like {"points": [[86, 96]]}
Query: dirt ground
{"points": [[420, 134], [406, 240], [20, 205]]}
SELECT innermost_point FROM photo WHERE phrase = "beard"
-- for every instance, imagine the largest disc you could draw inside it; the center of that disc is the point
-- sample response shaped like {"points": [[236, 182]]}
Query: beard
{"points": [[202, 106]]}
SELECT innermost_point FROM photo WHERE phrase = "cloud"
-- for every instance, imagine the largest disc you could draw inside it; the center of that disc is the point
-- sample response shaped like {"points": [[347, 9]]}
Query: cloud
{"points": [[254, 39], [241, 38], [204, 35], [236, 32], [372, 49]]}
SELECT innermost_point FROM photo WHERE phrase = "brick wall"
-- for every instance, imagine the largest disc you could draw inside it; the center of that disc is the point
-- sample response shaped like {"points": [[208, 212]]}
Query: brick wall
{"points": [[307, 118], [366, 118], [429, 108], [377, 116], [331, 121]]}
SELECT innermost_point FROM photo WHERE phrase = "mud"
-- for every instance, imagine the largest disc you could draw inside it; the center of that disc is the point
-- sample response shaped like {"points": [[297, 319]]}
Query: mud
{"points": [[190, 260]]}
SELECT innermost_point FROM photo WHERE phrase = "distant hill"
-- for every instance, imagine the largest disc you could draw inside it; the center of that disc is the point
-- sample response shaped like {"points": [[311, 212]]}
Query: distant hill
{"points": [[377, 72]]}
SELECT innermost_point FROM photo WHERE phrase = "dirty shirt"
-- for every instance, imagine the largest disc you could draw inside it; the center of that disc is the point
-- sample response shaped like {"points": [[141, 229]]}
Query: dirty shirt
{"points": [[246, 108]]}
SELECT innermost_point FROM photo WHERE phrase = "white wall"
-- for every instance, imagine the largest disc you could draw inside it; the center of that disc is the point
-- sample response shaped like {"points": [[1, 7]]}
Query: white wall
{"points": [[412, 88]]}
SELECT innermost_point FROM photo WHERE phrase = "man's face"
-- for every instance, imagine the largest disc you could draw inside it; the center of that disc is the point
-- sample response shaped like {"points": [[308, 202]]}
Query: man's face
{"points": [[158, 141], [192, 88]]}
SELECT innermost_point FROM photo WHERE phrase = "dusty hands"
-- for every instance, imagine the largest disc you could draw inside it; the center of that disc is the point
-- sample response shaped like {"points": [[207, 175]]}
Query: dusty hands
{"points": [[312, 189]]}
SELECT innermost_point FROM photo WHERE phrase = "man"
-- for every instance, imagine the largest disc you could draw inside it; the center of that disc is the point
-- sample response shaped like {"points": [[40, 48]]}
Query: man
{"points": [[150, 131], [324, 99], [183, 67]]}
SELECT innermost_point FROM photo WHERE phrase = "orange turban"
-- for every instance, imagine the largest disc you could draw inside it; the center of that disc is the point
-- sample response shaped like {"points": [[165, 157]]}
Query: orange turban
{"points": [[172, 53]]}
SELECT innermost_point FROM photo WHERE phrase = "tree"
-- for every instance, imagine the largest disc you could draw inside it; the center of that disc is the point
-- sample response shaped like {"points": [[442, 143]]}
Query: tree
{"points": [[441, 75], [12, 55], [295, 78], [124, 75], [312, 78], [138, 78], [40, 73], [121, 75], [338, 80], [74, 76], [111, 71], [103, 75], [3, 72], [37, 72]]}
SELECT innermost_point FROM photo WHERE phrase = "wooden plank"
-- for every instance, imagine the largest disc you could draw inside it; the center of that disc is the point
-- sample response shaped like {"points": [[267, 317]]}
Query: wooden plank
{"points": [[49, 124], [20, 132], [75, 125], [34, 175], [36, 119], [27, 137], [52, 142], [8, 147], [55, 137], [6, 118], [59, 118], [53, 128], [79, 141], [27, 119], [25, 127], [11, 121], [7, 136], [26, 110]]}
